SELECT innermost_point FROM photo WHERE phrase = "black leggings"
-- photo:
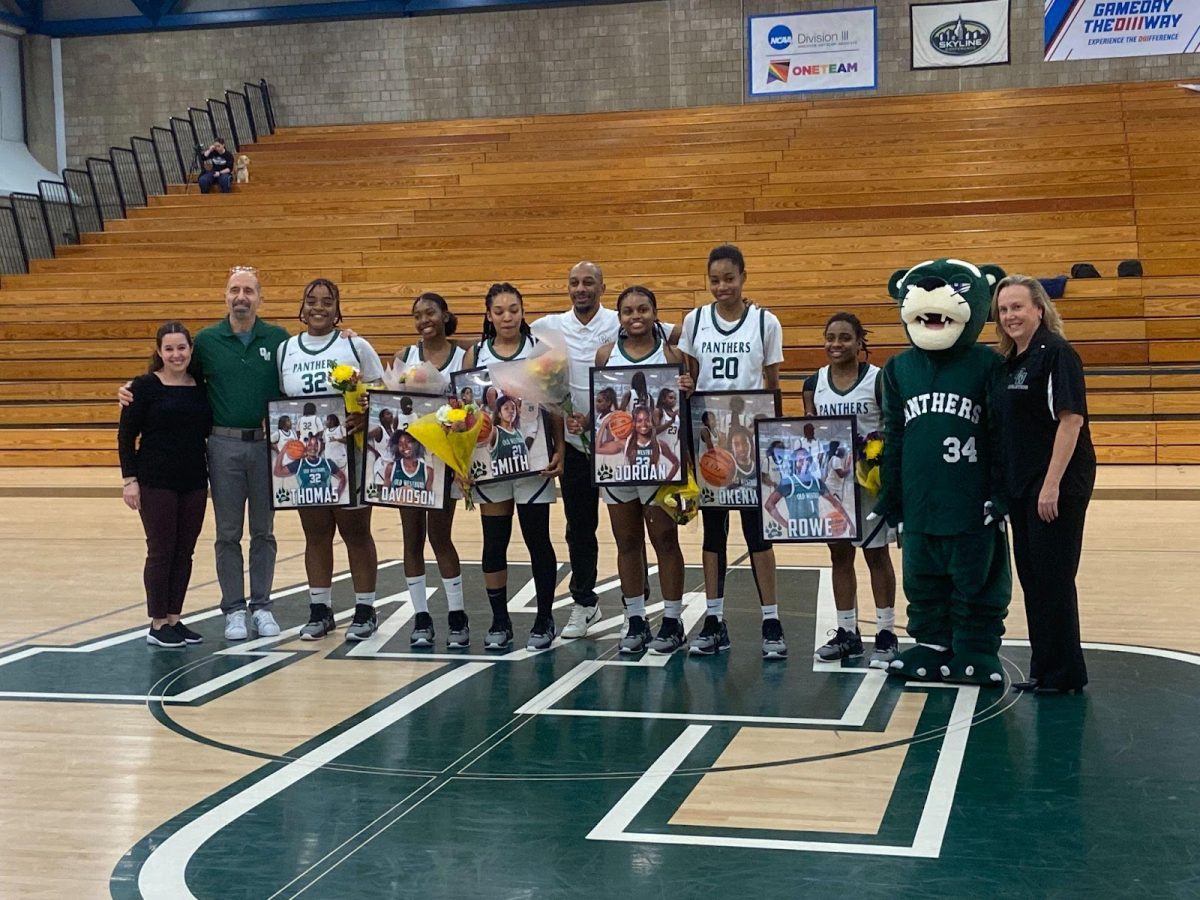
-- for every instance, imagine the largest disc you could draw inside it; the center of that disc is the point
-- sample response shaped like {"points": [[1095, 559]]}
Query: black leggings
{"points": [[172, 521], [716, 537], [535, 529]]}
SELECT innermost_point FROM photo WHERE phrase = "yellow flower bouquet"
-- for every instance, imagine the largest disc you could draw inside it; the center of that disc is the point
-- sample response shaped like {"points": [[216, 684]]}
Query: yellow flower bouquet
{"points": [[450, 434], [869, 459], [347, 380], [681, 501]]}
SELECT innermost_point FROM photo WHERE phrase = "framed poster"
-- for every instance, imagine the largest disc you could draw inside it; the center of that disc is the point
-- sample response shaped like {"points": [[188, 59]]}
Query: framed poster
{"points": [[722, 438], [829, 50], [969, 33], [312, 457], [636, 436], [806, 486], [514, 441], [396, 469]]}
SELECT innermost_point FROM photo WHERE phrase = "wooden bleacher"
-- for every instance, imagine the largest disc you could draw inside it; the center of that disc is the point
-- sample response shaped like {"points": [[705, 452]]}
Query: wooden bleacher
{"points": [[826, 198]]}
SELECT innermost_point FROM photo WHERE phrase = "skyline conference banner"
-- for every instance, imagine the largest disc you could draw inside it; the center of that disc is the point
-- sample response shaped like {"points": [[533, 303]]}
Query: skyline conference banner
{"points": [[1091, 29], [806, 52], [954, 35]]}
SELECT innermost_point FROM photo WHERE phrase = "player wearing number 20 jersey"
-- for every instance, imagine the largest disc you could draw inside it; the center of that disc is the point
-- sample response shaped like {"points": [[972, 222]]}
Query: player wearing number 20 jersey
{"points": [[732, 355]]}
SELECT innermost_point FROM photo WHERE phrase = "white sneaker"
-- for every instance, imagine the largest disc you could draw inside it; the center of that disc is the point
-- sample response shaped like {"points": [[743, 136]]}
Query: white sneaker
{"points": [[265, 624], [582, 617], [235, 625]]}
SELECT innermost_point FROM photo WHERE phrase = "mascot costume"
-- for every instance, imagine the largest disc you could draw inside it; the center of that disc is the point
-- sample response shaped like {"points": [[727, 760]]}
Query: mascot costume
{"points": [[942, 475]]}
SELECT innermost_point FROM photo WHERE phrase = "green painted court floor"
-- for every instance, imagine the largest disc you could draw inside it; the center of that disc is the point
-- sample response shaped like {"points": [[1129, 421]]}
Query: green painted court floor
{"points": [[557, 774]]}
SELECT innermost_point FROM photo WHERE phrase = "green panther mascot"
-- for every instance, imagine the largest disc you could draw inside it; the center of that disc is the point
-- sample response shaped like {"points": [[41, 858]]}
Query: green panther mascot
{"points": [[942, 475]]}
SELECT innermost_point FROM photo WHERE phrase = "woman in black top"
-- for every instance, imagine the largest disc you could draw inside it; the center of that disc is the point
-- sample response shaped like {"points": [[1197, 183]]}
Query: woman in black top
{"points": [[1050, 468], [166, 477]]}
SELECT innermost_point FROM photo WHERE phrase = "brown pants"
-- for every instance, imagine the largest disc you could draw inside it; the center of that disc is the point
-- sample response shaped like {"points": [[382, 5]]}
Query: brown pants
{"points": [[172, 521]]}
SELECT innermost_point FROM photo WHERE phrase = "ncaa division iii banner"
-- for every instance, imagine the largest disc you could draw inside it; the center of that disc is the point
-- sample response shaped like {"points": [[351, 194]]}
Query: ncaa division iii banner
{"points": [[822, 51], [959, 34], [1092, 29]]}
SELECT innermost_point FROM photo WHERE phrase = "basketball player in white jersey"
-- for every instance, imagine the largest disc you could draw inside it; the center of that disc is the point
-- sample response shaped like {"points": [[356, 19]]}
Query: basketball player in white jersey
{"points": [[848, 387], [507, 336], [435, 324], [641, 342], [304, 362], [734, 345], [335, 441]]}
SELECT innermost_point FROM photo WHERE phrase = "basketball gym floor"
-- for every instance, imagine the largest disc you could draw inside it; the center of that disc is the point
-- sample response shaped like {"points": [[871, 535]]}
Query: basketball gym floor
{"points": [[275, 768]]}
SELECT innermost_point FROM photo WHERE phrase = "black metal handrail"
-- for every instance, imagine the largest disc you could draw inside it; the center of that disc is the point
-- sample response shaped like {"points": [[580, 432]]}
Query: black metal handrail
{"points": [[32, 226]]}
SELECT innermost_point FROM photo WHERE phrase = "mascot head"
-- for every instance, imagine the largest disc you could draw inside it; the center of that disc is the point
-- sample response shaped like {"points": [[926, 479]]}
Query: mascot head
{"points": [[944, 302]]}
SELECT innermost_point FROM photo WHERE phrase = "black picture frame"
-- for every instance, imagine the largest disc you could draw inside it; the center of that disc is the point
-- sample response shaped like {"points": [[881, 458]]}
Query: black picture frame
{"points": [[607, 471], [742, 491], [287, 491], [783, 445], [539, 447], [405, 407]]}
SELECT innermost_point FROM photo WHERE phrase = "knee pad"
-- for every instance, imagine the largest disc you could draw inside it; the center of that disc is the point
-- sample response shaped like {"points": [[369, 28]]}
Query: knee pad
{"points": [[497, 532], [752, 531]]}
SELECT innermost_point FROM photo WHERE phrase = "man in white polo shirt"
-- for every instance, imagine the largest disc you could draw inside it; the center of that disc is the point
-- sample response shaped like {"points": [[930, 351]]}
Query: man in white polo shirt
{"points": [[586, 327]]}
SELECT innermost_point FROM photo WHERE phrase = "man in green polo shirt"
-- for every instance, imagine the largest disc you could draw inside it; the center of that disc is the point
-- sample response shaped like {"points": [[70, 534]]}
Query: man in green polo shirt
{"points": [[237, 358]]}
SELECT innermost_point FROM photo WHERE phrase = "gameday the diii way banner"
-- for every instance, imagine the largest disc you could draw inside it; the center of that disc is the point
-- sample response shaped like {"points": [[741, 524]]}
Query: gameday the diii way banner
{"points": [[973, 33], [801, 52], [1091, 29]]}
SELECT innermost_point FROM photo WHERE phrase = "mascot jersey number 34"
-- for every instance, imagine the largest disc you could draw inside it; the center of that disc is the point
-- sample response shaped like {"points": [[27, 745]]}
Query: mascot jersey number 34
{"points": [[942, 475]]}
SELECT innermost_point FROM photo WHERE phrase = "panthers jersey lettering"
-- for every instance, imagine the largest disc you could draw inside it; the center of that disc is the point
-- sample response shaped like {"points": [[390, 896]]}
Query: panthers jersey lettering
{"points": [[304, 362], [732, 355]]}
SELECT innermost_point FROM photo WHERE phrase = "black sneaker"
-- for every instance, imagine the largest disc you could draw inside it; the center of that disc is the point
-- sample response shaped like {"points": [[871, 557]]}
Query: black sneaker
{"points": [[320, 622], [187, 634], [670, 637], [843, 645], [541, 636], [712, 639], [166, 636], [637, 637], [458, 634], [885, 650], [773, 644], [499, 635], [365, 623], [422, 633]]}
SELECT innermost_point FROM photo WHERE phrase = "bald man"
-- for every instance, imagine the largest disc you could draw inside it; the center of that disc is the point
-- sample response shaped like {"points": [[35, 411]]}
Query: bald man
{"points": [[237, 358], [586, 327]]}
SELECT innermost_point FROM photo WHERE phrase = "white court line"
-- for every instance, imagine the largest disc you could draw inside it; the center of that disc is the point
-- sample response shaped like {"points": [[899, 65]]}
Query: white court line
{"points": [[520, 601], [931, 828], [560, 688], [163, 874]]}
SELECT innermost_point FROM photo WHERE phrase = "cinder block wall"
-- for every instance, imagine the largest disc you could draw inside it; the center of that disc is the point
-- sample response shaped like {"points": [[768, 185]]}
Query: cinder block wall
{"points": [[656, 53]]}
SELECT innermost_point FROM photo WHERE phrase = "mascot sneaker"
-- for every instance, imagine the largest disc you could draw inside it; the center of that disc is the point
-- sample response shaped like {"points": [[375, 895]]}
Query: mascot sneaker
{"points": [[921, 663]]}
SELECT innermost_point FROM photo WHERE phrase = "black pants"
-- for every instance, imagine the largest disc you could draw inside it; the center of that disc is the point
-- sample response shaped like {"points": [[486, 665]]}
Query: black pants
{"points": [[1047, 558], [581, 504], [172, 521]]}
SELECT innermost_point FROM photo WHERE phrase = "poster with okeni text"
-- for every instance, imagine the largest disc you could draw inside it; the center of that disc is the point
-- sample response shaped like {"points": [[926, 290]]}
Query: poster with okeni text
{"points": [[816, 51], [637, 420], [1090, 29], [722, 435], [806, 485]]}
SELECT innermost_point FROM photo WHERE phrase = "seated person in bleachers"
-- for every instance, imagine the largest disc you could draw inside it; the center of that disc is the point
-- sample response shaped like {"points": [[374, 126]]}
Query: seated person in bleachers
{"points": [[218, 168]]}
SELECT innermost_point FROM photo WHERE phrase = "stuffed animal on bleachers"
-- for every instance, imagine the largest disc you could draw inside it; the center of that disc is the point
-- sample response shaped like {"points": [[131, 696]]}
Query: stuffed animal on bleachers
{"points": [[942, 476], [241, 169]]}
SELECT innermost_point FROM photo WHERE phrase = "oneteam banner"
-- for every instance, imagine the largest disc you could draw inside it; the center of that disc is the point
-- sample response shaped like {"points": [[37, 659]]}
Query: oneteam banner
{"points": [[959, 34], [1091, 29], [802, 52]]}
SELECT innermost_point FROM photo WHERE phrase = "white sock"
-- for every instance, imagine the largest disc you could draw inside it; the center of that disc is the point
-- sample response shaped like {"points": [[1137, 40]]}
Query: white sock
{"points": [[716, 607], [365, 599], [417, 593], [636, 606], [454, 593], [885, 619], [771, 612], [848, 619], [322, 596], [673, 609]]}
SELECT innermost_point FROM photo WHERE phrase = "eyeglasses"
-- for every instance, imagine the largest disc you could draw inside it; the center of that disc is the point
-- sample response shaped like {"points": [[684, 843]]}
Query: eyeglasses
{"points": [[242, 270]]}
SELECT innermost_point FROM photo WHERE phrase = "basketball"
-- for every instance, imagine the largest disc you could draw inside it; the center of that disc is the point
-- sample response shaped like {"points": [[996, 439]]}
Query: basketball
{"points": [[839, 525], [620, 423], [294, 449], [717, 467], [485, 429]]}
